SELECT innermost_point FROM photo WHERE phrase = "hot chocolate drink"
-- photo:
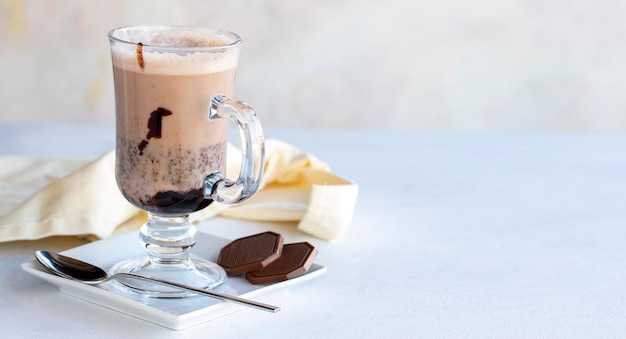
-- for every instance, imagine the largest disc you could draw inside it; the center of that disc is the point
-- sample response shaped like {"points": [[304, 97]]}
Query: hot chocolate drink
{"points": [[166, 143], [173, 100]]}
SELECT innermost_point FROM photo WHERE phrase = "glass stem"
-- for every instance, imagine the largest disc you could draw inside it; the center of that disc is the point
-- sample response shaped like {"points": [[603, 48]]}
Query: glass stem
{"points": [[168, 239]]}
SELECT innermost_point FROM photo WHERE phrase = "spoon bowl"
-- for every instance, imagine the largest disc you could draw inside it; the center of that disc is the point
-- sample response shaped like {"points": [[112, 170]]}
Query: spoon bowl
{"points": [[77, 270]]}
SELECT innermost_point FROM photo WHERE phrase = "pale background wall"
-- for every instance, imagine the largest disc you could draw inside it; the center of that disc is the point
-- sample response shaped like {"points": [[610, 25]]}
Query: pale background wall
{"points": [[399, 64]]}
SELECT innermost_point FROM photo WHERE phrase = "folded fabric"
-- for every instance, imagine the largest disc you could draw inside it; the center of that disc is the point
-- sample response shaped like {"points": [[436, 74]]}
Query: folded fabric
{"points": [[41, 197]]}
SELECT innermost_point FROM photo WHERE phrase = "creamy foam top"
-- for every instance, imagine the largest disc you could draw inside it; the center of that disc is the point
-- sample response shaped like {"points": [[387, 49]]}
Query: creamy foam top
{"points": [[158, 55]]}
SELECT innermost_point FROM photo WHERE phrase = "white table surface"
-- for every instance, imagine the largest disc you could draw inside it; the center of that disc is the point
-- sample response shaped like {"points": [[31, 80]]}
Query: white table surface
{"points": [[454, 235]]}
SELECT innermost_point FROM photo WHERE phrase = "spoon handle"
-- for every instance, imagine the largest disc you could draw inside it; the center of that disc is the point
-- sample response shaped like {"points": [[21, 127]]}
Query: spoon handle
{"points": [[224, 297]]}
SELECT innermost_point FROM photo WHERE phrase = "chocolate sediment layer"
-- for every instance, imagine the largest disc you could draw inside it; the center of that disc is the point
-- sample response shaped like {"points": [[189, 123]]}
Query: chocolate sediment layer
{"points": [[176, 203], [166, 180]]}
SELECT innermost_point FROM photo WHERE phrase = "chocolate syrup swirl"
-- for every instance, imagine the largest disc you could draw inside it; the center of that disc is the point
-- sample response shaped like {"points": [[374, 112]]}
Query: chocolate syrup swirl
{"points": [[155, 125], [140, 55]]}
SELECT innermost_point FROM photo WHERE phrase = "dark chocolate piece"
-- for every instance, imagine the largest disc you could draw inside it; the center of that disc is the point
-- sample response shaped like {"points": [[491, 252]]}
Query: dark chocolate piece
{"points": [[250, 253], [295, 260]]}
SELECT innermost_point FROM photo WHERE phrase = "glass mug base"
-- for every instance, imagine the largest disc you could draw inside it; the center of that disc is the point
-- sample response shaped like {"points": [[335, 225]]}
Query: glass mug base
{"points": [[192, 272]]}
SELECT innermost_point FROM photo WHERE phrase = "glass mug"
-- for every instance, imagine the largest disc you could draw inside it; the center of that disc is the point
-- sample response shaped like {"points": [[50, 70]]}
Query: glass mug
{"points": [[172, 94]]}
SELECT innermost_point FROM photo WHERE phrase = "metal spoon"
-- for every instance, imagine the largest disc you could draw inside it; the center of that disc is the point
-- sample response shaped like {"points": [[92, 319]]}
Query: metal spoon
{"points": [[89, 274]]}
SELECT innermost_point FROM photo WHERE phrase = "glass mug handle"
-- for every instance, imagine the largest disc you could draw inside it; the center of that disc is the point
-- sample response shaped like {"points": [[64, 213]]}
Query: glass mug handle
{"points": [[216, 185]]}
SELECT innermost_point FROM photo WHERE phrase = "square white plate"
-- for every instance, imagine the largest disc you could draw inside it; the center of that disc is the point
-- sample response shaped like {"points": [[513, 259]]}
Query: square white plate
{"points": [[176, 314]]}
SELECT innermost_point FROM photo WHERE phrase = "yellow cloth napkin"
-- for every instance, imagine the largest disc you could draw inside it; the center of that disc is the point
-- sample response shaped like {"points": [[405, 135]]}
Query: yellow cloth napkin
{"points": [[41, 197]]}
